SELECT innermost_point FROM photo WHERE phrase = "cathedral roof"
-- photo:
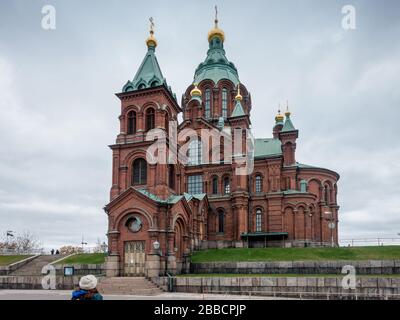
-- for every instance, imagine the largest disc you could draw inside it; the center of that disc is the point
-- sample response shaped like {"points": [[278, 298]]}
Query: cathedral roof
{"points": [[149, 73], [267, 147], [173, 198], [288, 126], [216, 66], [238, 110]]}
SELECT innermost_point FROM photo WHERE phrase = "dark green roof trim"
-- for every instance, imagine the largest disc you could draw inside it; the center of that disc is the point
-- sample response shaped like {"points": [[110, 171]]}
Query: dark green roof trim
{"points": [[306, 166], [173, 198]]}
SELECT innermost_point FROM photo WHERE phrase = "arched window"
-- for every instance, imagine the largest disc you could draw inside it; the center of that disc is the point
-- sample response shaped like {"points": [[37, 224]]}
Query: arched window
{"points": [[258, 220], [195, 153], [227, 185], [139, 172], [166, 122], [131, 122], [154, 83], [171, 176], [208, 104], [258, 183], [221, 221], [150, 119], [224, 103], [142, 86], [327, 194], [215, 185]]}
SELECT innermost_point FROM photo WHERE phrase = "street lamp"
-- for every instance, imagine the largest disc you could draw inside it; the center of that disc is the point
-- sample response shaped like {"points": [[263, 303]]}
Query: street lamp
{"points": [[331, 226]]}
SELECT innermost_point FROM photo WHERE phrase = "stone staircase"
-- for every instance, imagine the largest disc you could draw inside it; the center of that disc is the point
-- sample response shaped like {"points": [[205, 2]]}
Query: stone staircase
{"points": [[34, 267], [128, 286]]}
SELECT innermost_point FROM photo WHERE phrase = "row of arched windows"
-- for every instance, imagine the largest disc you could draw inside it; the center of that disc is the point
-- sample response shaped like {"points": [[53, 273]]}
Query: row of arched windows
{"points": [[208, 103], [226, 185], [221, 221], [149, 120]]}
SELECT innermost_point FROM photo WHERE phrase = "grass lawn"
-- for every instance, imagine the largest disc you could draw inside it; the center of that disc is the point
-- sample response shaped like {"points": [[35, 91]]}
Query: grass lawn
{"points": [[84, 258], [6, 260], [231, 275], [299, 254]]}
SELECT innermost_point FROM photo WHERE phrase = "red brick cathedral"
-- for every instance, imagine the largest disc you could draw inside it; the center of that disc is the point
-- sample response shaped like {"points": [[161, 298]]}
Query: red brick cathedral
{"points": [[161, 211]]}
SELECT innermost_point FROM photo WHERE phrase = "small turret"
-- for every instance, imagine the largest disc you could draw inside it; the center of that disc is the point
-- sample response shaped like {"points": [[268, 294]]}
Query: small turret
{"points": [[288, 136]]}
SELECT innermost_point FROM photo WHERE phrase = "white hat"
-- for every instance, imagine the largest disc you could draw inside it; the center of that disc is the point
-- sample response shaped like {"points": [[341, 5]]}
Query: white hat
{"points": [[88, 282]]}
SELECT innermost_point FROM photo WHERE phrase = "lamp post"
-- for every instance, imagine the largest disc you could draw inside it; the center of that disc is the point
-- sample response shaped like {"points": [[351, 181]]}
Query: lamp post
{"points": [[331, 226]]}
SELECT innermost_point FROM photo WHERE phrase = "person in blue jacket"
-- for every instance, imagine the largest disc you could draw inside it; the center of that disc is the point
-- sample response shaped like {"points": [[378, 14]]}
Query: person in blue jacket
{"points": [[87, 289]]}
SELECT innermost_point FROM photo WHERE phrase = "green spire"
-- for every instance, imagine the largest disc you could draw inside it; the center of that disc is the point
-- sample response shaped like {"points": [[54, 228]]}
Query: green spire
{"points": [[238, 110], [288, 126], [149, 73]]}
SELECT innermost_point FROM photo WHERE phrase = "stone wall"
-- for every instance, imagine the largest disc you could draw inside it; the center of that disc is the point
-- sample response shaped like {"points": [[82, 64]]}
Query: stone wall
{"points": [[82, 269], [62, 282], [35, 282], [5, 270], [307, 287], [297, 267]]}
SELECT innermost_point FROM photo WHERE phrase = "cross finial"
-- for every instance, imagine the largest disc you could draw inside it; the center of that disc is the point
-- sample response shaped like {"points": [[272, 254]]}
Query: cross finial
{"points": [[287, 113], [216, 16], [151, 25]]}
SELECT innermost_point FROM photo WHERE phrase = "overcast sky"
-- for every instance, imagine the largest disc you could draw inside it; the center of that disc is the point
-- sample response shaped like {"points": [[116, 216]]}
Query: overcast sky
{"points": [[58, 112]]}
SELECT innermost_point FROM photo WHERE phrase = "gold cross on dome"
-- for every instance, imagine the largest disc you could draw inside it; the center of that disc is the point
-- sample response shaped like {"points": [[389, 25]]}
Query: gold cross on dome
{"points": [[151, 24]]}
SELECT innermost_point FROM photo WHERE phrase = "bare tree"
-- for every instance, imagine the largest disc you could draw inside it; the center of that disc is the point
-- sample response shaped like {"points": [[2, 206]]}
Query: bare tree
{"points": [[27, 242], [99, 247], [67, 250]]}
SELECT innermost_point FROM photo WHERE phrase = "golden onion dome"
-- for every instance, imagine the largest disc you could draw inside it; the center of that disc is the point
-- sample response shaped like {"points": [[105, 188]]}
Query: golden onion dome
{"points": [[196, 92], [151, 41], [287, 113], [238, 96], [279, 117], [216, 31]]}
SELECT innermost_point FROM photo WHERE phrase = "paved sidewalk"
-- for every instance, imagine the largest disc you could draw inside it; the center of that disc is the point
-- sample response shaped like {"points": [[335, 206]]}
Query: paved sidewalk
{"points": [[65, 295]]}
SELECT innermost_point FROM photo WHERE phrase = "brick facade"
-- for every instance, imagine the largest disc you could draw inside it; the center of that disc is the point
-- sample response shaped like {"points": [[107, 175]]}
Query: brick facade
{"points": [[291, 199]]}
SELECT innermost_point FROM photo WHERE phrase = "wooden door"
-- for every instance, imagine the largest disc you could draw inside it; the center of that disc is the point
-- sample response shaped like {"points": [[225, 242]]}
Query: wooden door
{"points": [[135, 258]]}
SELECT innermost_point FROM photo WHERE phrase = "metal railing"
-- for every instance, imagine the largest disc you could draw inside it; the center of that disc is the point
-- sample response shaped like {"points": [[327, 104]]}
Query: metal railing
{"points": [[170, 283], [357, 242]]}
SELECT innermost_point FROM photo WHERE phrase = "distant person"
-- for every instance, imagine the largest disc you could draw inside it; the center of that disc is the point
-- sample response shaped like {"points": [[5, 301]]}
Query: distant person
{"points": [[87, 289], [52, 251], [57, 252]]}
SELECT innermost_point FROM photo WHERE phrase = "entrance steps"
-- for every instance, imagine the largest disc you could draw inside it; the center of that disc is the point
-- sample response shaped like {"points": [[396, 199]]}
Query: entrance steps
{"points": [[138, 286]]}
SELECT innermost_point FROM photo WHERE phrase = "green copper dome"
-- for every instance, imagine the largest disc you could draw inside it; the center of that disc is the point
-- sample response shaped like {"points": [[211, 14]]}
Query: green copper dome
{"points": [[149, 73], [216, 66]]}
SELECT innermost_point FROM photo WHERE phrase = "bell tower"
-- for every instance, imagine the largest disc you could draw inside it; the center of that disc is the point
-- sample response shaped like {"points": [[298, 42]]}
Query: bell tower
{"points": [[148, 106]]}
